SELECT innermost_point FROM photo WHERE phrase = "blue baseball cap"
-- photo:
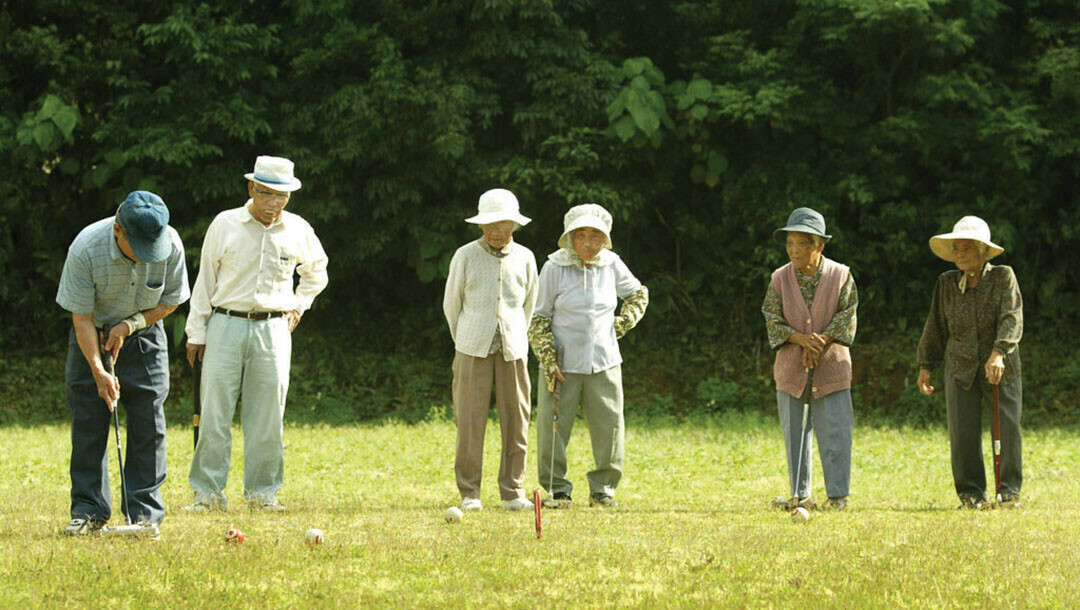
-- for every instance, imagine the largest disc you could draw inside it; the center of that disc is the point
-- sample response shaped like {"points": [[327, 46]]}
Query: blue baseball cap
{"points": [[144, 218], [803, 220]]}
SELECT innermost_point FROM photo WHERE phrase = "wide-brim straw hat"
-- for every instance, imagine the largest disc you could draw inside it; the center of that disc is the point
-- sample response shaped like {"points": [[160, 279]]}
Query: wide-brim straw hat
{"points": [[497, 205], [274, 173], [968, 227], [803, 220], [585, 215]]}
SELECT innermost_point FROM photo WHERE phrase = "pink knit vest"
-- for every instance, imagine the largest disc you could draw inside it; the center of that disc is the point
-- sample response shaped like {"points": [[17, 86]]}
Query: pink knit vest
{"points": [[833, 373]]}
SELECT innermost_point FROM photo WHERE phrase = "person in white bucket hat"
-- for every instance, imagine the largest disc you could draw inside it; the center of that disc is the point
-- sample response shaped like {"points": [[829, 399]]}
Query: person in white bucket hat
{"points": [[580, 286], [243, 310], [974, 327], [488, 301]]}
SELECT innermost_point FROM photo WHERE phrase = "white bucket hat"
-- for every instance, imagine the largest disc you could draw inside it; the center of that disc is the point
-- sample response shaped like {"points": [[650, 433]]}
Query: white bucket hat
{"points": [[968, 227], [497, 205], [585, 215], [275, 173]]}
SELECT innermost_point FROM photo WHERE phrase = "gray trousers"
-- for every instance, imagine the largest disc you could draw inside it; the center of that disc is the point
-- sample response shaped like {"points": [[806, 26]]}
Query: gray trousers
{"points": [[601, 397], [832, 420], [965, 408], [143, 371]]}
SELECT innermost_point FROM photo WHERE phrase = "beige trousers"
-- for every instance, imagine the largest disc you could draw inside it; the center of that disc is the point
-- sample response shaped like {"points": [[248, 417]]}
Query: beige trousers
{"points": [[473, 378]]}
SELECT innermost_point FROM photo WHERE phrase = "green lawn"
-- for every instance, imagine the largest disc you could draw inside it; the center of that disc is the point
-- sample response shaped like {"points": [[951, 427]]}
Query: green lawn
{"points": [[694, 529]]}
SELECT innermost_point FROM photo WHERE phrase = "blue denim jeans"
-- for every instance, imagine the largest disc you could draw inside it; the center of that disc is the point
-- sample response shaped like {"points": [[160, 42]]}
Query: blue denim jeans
{"points": [[143, 371]]}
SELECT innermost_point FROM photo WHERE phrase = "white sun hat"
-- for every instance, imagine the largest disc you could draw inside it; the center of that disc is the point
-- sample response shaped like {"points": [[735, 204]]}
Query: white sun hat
{"points": [[968, 227], [586, 215], [275, 173], [497, 205]]}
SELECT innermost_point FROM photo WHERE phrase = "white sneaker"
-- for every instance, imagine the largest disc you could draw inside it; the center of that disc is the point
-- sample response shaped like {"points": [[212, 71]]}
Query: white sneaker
{"points": [[518, 504], [468, 504]]}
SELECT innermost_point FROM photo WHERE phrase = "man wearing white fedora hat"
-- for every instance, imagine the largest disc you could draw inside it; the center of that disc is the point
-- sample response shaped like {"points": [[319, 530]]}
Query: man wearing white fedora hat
{"points": [[488, 301], [243, 309], [974, 327]]}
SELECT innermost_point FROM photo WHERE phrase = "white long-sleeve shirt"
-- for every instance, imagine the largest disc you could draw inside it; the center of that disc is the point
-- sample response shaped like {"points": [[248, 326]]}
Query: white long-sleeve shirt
{"points": [[246, 266], [485, 292]]}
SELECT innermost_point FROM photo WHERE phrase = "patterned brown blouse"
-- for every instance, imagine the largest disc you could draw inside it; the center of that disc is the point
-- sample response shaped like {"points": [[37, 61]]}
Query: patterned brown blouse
{"points": [[964, 327]]}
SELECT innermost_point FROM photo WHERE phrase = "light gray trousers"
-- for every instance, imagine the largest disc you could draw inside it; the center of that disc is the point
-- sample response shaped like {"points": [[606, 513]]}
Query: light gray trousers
{"points": [[832, 420], [249, 360], [601, 397]]}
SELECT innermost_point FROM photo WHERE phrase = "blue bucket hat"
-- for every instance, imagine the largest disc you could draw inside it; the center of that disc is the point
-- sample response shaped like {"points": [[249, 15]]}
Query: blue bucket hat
{"points": [[803, 220], [144, 218]]}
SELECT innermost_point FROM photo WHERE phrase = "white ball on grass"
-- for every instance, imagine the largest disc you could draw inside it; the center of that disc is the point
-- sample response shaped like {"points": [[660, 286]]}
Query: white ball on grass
{"points": [[453, 514], [800, 515], [314, 536]]}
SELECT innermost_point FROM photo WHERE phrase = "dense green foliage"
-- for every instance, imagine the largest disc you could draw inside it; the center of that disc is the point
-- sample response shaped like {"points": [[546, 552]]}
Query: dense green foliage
{"points": [[699, 123]]}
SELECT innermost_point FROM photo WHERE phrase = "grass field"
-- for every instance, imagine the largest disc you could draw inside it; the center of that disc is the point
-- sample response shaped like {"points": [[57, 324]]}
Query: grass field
{"points": [[694, 529]]}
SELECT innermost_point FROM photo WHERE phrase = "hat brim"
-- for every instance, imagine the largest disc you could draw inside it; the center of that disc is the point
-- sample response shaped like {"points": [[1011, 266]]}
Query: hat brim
{"points": [[780, 235], [580, 223], [490, 217], [284, 187], [151, 251], [941, 245]]}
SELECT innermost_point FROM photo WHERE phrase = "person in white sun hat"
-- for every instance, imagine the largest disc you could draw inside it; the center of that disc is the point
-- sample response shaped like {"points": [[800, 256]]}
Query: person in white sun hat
{"points": [[974, 327], [580, 286], [243, 311], [488, 301]]}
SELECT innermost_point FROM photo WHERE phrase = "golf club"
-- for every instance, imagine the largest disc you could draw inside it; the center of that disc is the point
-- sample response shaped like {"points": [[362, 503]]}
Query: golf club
{"points": [[128, 529], [996, 431], [551, 502], [807, 397], [536, 513], [197, 400]]}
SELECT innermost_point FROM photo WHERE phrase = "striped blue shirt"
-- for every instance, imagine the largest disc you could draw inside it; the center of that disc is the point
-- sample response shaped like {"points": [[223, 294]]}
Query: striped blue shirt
{"points": [[98, 279]]}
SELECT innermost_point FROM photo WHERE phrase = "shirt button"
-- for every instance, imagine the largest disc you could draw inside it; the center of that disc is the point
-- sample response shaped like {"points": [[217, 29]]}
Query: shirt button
{"points": [[809, 321], [813, 389]]}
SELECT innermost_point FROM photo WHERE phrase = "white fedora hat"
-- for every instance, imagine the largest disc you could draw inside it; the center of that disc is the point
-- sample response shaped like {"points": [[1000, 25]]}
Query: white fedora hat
{"points": [[497, 205], [275, 173], [586, 215], [968, 227]]}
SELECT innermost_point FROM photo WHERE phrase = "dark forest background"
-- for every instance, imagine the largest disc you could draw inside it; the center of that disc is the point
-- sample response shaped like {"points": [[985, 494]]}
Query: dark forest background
{"points": [[698, 124]]}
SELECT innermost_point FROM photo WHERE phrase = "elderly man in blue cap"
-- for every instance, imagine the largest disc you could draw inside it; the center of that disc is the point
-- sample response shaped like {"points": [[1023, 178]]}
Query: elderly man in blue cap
{"points": [[810, 317], [125, 274], [244, 307]]}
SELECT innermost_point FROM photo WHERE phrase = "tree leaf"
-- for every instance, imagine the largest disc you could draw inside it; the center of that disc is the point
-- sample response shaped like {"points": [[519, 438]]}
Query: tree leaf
{"points": [[45, 136], [65, 119], [49, 107], [625, 129]]}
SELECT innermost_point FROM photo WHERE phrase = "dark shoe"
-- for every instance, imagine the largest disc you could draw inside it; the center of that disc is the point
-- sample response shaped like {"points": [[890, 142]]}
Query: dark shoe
{"points": [[788, 505], [559, 499], [836, 504], [603, 500], [83, 527], [1009, 500], [973, 503]]}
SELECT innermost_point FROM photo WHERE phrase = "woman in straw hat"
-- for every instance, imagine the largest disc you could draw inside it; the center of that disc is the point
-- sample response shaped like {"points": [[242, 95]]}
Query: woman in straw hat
{"points": [[489, 298], [810, 313], [580, 285], [974, 326]]}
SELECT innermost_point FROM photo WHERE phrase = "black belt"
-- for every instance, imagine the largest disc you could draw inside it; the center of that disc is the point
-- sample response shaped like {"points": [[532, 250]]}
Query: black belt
{"points": [[250, 315]]}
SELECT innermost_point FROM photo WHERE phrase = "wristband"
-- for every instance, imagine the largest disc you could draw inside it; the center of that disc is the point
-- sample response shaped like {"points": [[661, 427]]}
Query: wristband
{"points": [[135, 322]]}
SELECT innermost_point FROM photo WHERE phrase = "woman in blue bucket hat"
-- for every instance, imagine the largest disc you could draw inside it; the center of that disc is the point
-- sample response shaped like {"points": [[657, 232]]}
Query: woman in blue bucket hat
{"points": [[810, 317]]}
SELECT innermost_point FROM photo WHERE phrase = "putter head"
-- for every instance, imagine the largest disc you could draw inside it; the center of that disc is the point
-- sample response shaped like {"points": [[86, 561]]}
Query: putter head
{"points": [[557, 504], [136, 530]]}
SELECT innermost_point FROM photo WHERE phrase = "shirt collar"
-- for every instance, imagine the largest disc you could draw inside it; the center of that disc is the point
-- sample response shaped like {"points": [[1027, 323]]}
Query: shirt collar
{"points": [[492, 251], [816, 274], [248, 217], [963, 277]]}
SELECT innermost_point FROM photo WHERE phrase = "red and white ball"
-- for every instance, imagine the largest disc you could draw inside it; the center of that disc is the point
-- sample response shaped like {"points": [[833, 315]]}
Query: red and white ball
{"points": [[234, 535], [314, 536]]}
